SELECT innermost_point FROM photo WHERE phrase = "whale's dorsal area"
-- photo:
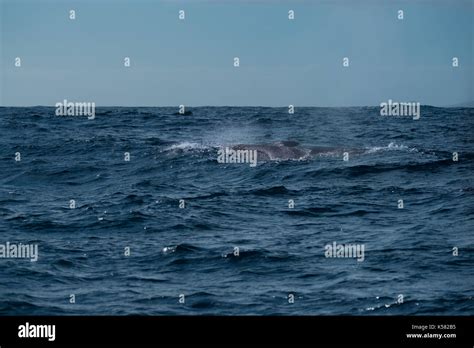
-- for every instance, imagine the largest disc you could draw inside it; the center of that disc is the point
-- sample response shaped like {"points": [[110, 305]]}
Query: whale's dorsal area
{"points": [[278, 151], [290, 150]]}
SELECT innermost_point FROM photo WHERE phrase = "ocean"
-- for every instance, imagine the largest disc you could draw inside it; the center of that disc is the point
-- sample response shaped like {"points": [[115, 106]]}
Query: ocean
{"points": [[172, 231]]}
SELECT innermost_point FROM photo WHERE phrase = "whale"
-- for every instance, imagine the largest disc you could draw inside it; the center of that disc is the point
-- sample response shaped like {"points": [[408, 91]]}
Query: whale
{"points": [[292, 150]]}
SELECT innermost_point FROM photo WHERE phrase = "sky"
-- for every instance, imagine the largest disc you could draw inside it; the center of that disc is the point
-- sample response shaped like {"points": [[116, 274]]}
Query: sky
{"points": [[191, 62]]}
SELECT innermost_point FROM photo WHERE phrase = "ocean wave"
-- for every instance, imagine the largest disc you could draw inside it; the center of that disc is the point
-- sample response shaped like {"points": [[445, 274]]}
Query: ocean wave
{"points": [[271, 191]]}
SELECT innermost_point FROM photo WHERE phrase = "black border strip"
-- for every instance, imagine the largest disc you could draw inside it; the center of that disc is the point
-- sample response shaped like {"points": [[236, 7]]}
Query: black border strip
{"points": [[240, 330]]}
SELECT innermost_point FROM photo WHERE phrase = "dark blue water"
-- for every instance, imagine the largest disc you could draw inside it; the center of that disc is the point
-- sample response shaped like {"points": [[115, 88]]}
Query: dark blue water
{"points": [[190, 251]]}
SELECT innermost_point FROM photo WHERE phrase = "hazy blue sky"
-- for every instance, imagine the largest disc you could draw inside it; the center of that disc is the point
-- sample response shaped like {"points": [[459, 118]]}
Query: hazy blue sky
{"points": [[191, 62]]}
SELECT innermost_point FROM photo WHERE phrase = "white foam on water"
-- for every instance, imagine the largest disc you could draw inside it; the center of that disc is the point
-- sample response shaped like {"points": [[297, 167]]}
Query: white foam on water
{"points": [[390, 147], [186, 145]]}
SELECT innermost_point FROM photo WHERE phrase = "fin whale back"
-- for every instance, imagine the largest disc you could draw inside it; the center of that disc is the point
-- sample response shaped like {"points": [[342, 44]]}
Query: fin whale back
{"points": [[290, 150], [273, 152]]}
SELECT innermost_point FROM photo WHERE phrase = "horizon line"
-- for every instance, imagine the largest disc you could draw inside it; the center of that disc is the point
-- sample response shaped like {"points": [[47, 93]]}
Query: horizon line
{"points": [[231, 106]]}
